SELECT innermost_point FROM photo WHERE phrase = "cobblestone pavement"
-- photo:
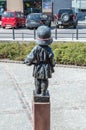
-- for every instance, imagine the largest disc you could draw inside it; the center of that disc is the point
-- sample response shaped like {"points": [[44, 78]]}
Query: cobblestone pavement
{"points": [[67, 90]]}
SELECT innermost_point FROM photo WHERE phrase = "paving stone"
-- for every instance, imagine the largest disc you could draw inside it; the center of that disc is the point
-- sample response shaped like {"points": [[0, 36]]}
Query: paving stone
{"points": [[67, 89]]}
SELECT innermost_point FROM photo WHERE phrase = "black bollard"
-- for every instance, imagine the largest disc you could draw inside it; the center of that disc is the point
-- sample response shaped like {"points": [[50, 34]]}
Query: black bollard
{"points": [[13, 34]]}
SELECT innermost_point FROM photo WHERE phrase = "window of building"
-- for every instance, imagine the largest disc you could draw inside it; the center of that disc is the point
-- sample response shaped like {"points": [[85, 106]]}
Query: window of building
{"points": [[2, 7], [32, 6], [3, 4]]}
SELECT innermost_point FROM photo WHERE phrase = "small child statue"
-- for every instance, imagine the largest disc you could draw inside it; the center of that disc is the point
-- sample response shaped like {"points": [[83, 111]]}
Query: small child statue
{"points": [[43, 59]]}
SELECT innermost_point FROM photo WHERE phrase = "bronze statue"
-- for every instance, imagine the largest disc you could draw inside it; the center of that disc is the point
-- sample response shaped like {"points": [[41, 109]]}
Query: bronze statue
{"points": [[43, 59]]}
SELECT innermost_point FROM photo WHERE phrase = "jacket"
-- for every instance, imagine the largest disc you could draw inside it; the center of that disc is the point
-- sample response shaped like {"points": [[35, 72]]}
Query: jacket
{"points": [[43, 59]]}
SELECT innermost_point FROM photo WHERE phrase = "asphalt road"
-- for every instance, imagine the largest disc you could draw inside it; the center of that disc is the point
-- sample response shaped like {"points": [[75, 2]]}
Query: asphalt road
{"points": [[29, 34]]}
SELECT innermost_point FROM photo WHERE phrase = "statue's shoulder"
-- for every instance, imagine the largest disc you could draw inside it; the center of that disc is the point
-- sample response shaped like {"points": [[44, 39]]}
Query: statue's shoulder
{"points": [[36, 47], [49, 48]]}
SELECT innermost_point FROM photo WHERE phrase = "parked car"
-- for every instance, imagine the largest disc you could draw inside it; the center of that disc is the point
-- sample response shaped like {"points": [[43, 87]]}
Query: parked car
{"points": [[0, 18], [35, 20], [13, 19], [66, 18], [81, 16]]}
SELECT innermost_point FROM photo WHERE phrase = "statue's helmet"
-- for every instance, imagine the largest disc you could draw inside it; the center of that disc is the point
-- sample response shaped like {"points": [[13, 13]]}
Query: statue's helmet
{"points": [[44, 35]]}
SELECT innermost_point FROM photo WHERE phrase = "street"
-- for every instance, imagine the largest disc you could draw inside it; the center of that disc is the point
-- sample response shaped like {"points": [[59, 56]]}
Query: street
{"points": [[57, 34]]}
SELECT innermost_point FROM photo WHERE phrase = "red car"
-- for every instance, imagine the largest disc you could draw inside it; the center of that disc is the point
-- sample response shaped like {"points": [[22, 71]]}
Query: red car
{"points": [[12, 19]]}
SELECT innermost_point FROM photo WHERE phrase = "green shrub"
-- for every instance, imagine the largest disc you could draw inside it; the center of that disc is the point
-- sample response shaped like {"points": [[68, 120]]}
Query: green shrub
{"points": [[65, 53], [71, 53], [15, 50]]}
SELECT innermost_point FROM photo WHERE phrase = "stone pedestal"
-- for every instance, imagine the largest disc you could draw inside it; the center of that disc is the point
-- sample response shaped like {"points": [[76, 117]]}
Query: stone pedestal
{"points": [[41, 112]]}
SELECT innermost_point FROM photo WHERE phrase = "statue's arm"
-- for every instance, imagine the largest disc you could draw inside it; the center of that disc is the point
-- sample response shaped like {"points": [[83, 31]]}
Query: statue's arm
{"points": [[29, 60], [51, 56]]}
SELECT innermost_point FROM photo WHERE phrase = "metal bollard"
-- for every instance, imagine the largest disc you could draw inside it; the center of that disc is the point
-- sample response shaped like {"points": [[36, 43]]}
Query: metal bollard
{"points": [[13, 34], [77, 33], [34, 33], [55, 33], [72, 36]]}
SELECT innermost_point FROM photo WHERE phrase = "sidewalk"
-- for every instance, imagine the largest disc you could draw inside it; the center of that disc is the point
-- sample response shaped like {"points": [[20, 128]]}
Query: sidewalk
{"points": [[67, 90], [55, 40]]}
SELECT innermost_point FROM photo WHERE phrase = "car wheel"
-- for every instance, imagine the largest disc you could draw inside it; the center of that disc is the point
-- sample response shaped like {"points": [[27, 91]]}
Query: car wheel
{"points": [[3, 27], [65, 17], [27, 27], [50, 24], [74, 26], [57, 26], [55, 21], [17, 26]]}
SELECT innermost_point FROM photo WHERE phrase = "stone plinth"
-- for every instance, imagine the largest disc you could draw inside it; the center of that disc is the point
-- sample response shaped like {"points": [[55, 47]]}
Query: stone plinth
{"points": [[41, 112]]}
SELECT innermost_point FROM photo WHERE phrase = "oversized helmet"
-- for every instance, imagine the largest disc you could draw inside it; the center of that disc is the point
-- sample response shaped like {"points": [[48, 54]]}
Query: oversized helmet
{"points": [[44, 35]]}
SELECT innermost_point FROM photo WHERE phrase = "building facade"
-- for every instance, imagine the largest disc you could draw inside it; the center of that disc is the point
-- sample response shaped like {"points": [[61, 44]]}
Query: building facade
{"points": [[26, 5], [61, 4], [79, 4], [14, 5]]}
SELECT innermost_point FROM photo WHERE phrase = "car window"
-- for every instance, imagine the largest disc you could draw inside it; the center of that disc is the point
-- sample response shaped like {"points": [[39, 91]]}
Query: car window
{"points": [[22, 15], [18, 15], [81, 15], [65, 11], [8, 14], [34, 17], [0, 13]]}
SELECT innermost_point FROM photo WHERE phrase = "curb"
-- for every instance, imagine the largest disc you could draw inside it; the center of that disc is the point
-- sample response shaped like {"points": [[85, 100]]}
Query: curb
{"points": [[70, 66], [11, 61]]}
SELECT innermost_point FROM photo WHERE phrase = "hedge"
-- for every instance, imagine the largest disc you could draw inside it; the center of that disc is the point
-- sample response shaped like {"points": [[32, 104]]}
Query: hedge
{"points": [[64, 52]]}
